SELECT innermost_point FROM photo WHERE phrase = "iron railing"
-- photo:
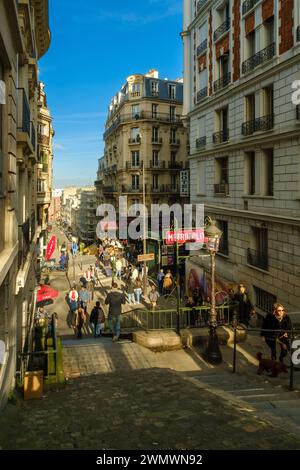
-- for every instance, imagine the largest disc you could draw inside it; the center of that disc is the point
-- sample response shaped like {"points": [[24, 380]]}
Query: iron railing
{"points": [[134, 140], [221, 189], [131, 189], [23, 112], [157, 165], [225, 26], [257, 259], [264, 123], [142, 115], [259, 58], [201, 142], [134, 166], [222, 82], [174, 141], [248, 5], [201, 48], [200, 5], [157, 140], [202, 94], [221, 136], [33, 136], [175, 165], [109, 189], [24, 239]]}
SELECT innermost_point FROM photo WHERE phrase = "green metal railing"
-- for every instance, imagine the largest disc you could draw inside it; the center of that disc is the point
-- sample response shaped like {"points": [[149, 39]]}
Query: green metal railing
{"points": [[167, 318]]}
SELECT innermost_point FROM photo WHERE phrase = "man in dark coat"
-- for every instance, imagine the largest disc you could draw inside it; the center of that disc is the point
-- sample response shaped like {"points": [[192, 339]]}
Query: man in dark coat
{"points": [[245, 307], [281, 324], [115, 299]]}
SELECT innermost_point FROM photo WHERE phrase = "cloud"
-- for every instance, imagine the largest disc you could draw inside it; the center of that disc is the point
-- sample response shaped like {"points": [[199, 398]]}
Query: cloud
{"points": [[58, 146], [78, 117]]}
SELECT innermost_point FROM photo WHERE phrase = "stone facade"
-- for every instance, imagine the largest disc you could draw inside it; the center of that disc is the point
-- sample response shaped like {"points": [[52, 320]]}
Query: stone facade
{"points": [[247, 171], [24, 38], [144, 130]]}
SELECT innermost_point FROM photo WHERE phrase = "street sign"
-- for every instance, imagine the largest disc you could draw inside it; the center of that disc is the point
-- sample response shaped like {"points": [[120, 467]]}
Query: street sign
{"points": [[184, 236], [184, 183], [50, 248], [146, 257]]}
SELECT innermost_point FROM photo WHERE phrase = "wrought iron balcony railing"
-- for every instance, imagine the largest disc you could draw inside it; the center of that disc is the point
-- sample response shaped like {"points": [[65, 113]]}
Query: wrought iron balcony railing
{"points": [[157, 140], [257, 259], [157, 165], [222, 29], [134, 140], [248, 5], [259, 58], [264, 123], [131, 189], [33, 136], [23, 112], [222, 82], [202, 48], [175, 165], [109, 189], [221, 136], [134, 166], [201, 142], [200, 5], [221, 189], [174, 141], [202, 94]]}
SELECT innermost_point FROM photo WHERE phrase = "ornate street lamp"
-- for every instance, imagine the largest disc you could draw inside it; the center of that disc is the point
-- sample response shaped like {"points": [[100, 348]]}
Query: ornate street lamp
{"points": [[213, 235]]}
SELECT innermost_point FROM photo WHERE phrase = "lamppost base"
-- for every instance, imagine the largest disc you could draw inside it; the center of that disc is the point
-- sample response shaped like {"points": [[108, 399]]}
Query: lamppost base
{"points": [[213, 353]]}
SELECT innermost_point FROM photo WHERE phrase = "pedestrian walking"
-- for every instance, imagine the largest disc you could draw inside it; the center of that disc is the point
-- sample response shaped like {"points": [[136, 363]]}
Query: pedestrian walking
{"points": [[153, 297], [114, 300], [130, 292], [73, 299], [80, 319], [245, 306], [119, 268], [97, 319], [278, 323], [160, 281], [84, 297], [138, 289]]}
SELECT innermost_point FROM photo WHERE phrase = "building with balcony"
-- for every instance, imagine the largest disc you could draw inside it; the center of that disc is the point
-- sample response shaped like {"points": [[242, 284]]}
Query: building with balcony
{"points": [[85, 217], [241, 58], [55, 206], [144, 132], [24, 39], [44, 166]]}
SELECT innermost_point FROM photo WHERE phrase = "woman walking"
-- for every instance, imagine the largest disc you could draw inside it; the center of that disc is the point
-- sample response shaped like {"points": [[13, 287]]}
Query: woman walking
{"points": [[278, 323]]}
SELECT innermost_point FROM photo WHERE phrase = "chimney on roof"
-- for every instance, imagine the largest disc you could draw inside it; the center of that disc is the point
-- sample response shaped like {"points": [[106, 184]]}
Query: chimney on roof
{"points": [[152, 74]]}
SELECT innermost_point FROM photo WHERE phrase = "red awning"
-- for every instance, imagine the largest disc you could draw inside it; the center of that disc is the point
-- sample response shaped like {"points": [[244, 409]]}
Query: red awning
{"points": [[46, 293]]}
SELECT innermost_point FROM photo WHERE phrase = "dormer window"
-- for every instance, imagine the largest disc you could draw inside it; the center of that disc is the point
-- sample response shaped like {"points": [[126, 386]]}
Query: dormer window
{"points": [[154, 88], [172, 92]]}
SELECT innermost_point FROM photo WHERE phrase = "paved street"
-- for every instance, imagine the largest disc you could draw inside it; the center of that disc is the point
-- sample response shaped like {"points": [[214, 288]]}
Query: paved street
{"points": [[124, 396]]}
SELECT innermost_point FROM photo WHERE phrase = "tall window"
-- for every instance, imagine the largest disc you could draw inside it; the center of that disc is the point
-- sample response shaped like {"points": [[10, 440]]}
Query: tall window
{"points": [[173, 181], [223, 225], [268, 183], [154, 110], [268, 103], [1, 129], [172, 92], [135, 134], [135, 89], [135, 180], [154, 88], [258, 253], [221, 176], [172, 113], [173, 136], [155, 181], [155, 157], [250, 173], [135, 109], [154, 134], [135, 158], [173, 157]]}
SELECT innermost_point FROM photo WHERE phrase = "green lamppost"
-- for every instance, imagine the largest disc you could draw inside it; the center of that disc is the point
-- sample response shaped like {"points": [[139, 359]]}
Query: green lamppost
{"points": [[213, 235]]}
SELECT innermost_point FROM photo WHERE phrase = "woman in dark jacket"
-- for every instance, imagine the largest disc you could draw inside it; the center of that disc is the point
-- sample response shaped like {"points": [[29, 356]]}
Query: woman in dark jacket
{"points": [[280, 323]]}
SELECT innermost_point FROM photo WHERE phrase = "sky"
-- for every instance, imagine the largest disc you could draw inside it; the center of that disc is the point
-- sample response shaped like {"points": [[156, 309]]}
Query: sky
{"points": [[95, 46]]}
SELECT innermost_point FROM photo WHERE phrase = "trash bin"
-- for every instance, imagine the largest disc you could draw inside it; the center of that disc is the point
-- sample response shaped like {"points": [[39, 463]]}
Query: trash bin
{"points": [[33, 385]]}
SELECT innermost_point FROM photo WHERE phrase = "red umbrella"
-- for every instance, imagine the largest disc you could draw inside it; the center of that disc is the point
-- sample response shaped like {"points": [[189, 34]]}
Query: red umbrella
{"points": [[46, 293]]}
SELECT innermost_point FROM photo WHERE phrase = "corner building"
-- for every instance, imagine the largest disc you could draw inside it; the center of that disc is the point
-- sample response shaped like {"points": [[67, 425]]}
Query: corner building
{"points": [[240, 60]]}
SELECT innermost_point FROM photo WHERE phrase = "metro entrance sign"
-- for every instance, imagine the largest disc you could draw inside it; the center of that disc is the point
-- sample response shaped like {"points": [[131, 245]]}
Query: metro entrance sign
{"points": [[184, 236]]}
